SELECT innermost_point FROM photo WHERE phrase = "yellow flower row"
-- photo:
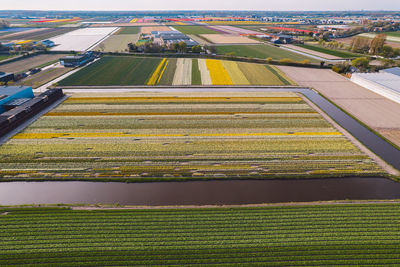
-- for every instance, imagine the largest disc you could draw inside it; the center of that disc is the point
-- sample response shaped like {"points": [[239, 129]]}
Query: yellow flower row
{"points": [[94, 135], [219, 75], [58, 114], [78, 100], [133, 21], [155, 78]]}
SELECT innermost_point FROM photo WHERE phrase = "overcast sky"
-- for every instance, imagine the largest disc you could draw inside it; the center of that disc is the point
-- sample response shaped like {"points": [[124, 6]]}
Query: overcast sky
{"points": [[262, 5]]}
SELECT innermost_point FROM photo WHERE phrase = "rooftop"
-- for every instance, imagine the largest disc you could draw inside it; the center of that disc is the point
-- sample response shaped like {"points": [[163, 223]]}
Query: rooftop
{"points": [[385, 79], [395, 71], [11, 90]]}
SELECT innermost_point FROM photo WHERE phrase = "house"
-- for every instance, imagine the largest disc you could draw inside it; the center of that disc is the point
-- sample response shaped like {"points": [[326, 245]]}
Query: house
{"points": [[12, 96], [6, 77], [78, 60], [282, 39]]}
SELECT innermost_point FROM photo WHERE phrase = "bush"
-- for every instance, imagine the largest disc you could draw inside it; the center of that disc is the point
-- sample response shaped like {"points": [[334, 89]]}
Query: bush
{"points": [[286, 61]]}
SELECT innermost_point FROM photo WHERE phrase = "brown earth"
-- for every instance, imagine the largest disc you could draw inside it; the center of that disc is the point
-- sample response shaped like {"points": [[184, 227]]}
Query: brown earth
{"points": [[148, 30], [43, 77], [228, 39], [29, 63], [348, 41], [376, 111]]}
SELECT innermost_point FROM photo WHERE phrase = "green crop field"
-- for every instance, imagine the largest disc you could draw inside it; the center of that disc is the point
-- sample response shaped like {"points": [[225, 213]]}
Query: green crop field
{"points": [[394, 34], [129, 30], [260, 51], [171, 71], [337, 53], [194, 30], [3, 57], [114, 71], [194, 136], [348, 235]]}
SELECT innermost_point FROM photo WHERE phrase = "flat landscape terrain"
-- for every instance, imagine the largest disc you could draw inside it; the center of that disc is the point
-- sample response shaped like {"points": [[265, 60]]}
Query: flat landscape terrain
{"points": [[194, 30], [335, 54], [228, 39], [43, 77], [37, 34], [261, 51], [30, 62], [117, 43], [374, 110], [157, 71], [349, 234], [166, 136]]}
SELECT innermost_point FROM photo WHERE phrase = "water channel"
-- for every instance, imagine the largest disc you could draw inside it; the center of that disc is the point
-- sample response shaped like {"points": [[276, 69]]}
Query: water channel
{"points": [[223, 192]]}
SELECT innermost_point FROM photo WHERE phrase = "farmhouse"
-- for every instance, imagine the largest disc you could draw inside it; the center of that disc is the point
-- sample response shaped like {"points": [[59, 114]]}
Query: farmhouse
{"points": [[171, 37], [12, 96], [78, 60], [383, 83], [6, 77]]}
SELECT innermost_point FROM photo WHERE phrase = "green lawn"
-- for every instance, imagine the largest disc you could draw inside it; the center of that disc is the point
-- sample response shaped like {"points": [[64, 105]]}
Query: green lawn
{"points": [[337, 53], [334, 235], [114, 71], [129, 30], [3, 57], [196, 75], [261, 51], [194, 30], [394, 34]]}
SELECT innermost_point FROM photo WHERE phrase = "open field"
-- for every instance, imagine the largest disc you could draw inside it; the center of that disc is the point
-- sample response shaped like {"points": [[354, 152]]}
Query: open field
{"points": [[228, 39], [3, 57], [194, 30], [114, 71], [129, 30], [311, 52], [332, 52], [117, 43], [30, 62], [43, 77], [261, 51], [374, 110], [148, 30], [43, 34], [350, 234], [131, 71], [81, 39], [392, 37], [349, 39], [166, 136]]}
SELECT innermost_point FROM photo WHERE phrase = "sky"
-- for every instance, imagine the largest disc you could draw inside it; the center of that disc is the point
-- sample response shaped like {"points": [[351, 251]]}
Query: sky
{"points": [[261, 5]]}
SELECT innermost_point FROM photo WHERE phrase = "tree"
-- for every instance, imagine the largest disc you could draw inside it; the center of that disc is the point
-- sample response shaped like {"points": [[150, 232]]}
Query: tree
{"points": [[196, 49], [360, 44], [102, 46], [361, 63], [377, 44], [4, 24]]}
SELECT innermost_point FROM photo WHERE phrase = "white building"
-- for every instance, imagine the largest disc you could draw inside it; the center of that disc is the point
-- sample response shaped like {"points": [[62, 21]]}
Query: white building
{"points": [[383, 83]]}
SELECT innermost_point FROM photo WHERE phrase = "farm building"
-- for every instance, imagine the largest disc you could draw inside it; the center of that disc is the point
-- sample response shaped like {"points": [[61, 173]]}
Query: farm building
{"points": [[282, 39], [48, 43], [12, 96], [171, 37], [383, 83], [395, 71], [78, 60], [6, 77]]}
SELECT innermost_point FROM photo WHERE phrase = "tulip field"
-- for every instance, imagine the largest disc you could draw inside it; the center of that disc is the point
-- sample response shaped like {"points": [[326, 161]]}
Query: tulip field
{"points": [[312, 235], [162, 136], [171, 71]]}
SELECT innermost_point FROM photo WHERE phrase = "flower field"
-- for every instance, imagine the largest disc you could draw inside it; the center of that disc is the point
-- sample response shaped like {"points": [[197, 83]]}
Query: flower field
{"points": [[152, 137], [346, 234], [171, 71]]}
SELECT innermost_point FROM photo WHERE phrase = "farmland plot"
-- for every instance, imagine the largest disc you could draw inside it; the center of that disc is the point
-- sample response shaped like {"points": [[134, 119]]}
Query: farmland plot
{"points": [[164, 136], [228, 39], [82, 39], [204, 73], [312, 235], [183, 74], [117, 43]]}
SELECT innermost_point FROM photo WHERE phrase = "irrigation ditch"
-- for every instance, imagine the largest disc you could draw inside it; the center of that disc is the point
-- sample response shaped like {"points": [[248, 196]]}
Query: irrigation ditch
{"points": [[222, 192]]}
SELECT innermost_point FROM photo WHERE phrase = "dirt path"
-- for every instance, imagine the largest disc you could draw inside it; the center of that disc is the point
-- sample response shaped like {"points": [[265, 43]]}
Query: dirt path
{"points": [[311, 52], [372, 109]]}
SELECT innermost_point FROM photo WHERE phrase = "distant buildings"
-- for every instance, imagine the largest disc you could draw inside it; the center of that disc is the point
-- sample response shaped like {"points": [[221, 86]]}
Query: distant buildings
{"points": [[6, 77], [169, 38]]}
